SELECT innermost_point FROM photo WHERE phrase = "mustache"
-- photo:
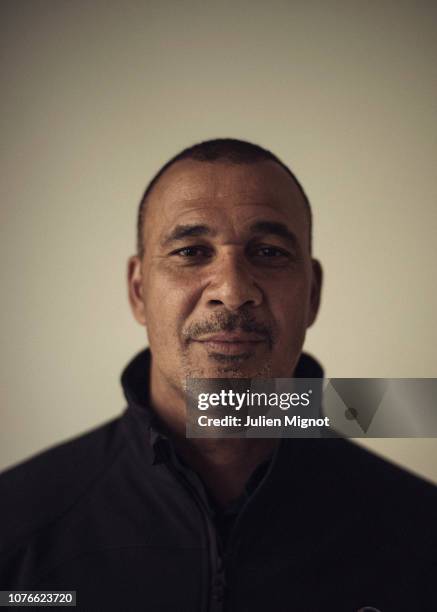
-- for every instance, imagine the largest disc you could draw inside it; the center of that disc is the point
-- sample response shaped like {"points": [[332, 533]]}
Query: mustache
{"points": [[229, 322]]}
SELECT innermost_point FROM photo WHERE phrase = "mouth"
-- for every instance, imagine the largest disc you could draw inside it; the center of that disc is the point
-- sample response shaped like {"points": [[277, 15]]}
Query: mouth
{"points": [[231, 343]]}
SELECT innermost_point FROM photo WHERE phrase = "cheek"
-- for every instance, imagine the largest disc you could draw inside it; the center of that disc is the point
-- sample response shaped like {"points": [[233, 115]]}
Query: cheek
{"points": [[168, 302], [290, 306]]}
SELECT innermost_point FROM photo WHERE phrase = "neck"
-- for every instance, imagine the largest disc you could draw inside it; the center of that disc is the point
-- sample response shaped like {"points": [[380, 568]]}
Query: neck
{"points": [[224, 464]]}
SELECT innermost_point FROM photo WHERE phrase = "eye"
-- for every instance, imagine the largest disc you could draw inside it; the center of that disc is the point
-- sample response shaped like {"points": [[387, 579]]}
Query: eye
{"points": [[268, 256], [269, 252], [193, 252]]}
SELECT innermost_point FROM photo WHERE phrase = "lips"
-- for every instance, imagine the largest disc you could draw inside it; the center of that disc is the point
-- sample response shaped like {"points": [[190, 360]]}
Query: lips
{"points": [[232, 337], [231, 343]]}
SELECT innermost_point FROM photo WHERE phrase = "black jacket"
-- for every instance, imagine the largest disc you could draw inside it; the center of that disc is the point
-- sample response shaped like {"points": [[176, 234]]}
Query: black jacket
{"points": [[114, 515]]}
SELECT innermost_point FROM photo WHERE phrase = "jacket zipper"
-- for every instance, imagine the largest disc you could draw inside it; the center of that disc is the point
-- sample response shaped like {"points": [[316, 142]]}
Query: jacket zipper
{"points": [[216, 576], [231, 542]]}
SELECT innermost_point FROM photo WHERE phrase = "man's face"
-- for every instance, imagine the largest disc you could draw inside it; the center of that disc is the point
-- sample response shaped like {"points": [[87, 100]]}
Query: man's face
{"points": [[226, 286]]}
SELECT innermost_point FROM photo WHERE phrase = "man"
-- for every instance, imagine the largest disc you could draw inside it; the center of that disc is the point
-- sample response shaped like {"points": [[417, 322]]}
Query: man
{"points": [[225, 284], [135, 516]]}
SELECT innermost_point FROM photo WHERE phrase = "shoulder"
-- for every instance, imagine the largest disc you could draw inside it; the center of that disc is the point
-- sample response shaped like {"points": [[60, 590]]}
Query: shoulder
{"points": [[356, 475], [367, 466], [364, 506], [43, 487]]}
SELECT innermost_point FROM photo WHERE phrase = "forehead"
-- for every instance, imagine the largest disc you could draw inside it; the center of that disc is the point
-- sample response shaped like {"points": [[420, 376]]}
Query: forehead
{"points": [[224, 192]]}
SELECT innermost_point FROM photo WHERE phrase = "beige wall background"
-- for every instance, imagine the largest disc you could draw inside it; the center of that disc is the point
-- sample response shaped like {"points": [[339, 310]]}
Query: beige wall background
{"points": [[97, 95]]}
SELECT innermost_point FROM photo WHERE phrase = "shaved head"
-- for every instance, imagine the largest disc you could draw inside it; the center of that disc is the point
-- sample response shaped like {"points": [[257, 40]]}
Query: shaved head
{"points": [[225, 150]]}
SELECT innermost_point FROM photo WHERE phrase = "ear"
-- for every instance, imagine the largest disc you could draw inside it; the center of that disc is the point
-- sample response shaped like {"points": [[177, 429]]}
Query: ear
{"points": [[135, 288], [316, 291]]}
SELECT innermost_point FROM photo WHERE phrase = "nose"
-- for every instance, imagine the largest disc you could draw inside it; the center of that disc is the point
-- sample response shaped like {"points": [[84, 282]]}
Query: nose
{"points": [[232, 284]]}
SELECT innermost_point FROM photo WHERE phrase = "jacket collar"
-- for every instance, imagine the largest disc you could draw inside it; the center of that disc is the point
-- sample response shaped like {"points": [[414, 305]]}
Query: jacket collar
{"points": [[135, 378], [141, 423]]}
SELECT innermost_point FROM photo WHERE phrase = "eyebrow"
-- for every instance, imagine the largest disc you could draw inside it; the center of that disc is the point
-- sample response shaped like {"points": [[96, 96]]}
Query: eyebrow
{"points": [[181, 232], [275, 228]]}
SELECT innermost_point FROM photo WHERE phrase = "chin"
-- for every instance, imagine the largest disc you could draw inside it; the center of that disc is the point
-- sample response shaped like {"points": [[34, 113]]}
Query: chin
{"points": [[232, 368]]}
